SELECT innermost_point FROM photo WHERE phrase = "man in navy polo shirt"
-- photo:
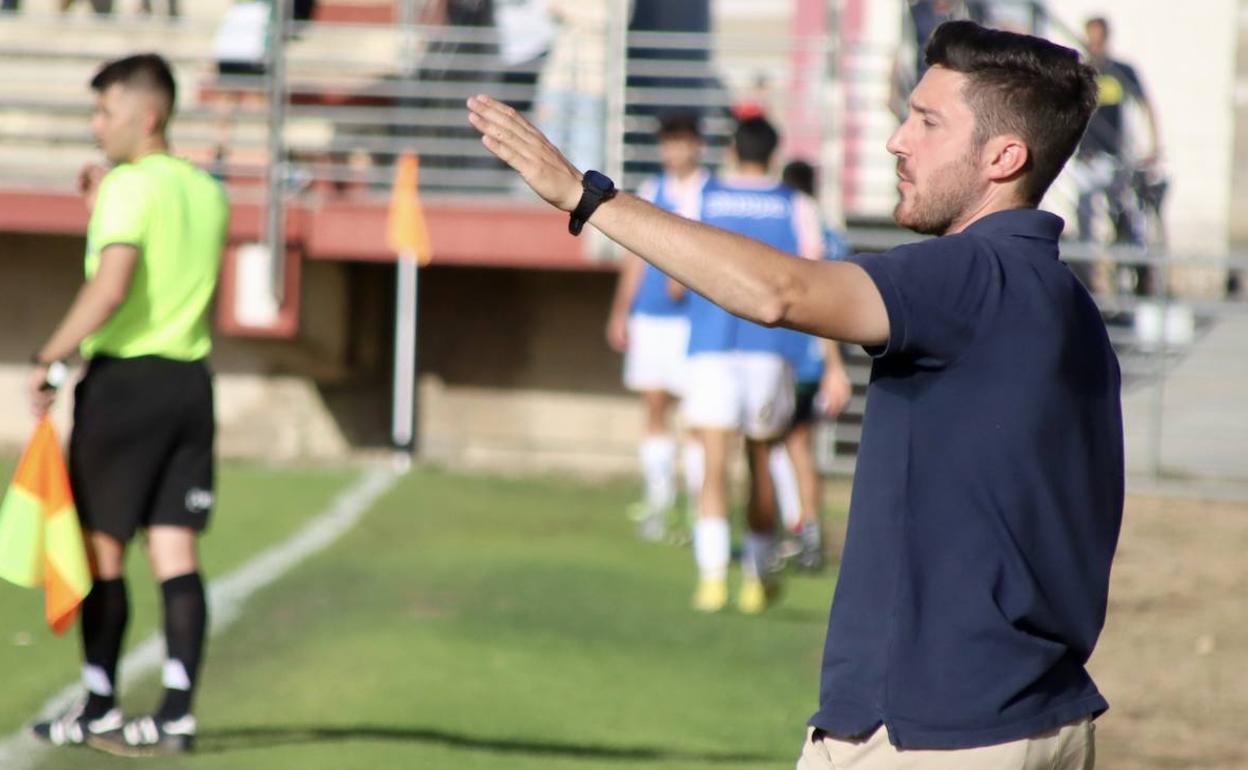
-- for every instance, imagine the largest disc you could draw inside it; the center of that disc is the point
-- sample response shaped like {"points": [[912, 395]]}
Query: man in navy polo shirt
{"points": [[988, 496]]}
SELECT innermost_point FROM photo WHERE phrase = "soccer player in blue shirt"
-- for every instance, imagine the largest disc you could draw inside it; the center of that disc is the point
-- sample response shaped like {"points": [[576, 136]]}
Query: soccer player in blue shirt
{"points": [[649, 325], [988, 493], [740, 374]]}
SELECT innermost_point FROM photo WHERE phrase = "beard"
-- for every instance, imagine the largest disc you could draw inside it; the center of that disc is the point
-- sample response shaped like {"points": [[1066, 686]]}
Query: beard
{"points": [[949, 194]]}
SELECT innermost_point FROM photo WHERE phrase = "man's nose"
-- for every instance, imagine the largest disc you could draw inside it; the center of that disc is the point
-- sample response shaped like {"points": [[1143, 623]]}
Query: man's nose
{"points": [[895, 143]]}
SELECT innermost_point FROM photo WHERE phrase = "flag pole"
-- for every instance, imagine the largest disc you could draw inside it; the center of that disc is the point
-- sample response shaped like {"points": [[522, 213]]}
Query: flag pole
{"points": [[403, 428], [408, 236]]}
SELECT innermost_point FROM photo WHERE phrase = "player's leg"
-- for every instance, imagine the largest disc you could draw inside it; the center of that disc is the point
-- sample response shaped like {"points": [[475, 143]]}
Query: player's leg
{"points": [[658, 463], [712, 406], [783, 470], [173, 554], [105, 613], [651, 364], [102, 624], [180, 510], [712, 538], [693, 464], [810, 529], [762, 512], [769, 401]]}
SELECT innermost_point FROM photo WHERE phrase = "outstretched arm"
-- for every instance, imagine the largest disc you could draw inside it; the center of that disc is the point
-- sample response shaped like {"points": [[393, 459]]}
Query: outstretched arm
{"points": [[832, 299]]}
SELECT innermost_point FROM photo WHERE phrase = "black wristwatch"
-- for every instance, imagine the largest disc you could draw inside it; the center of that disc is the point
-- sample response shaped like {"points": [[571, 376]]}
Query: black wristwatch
{"points": [[597, 189]]}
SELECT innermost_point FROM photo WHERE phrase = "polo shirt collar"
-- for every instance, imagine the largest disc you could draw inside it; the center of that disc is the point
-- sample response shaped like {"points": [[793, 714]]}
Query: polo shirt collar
{"points": [[1028, 223]]}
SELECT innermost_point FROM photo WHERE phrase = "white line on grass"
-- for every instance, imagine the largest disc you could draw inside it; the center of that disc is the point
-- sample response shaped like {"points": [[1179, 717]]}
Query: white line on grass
{"points": [[226, 597]]}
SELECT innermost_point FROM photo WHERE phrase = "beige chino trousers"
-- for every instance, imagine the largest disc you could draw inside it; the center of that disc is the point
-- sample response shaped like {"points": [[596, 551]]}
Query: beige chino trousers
{"points": [[1068, 748]]}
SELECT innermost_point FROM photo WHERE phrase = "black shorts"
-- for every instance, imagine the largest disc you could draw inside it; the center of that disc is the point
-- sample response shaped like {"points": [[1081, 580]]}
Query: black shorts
{"points": [[804, 404], [141, 451]]}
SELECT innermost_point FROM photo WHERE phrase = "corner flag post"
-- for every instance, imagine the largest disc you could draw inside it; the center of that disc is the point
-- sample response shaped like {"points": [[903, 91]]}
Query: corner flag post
{"points": [[408, 237]]}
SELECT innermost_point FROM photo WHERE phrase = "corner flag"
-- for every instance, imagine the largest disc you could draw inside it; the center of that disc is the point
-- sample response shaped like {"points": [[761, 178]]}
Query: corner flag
{"points": [[406, 231], [40, 540]]}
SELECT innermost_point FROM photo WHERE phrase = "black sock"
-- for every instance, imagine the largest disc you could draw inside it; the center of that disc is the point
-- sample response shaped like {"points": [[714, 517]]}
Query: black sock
{"points": [[105, 612], [186, 620]]}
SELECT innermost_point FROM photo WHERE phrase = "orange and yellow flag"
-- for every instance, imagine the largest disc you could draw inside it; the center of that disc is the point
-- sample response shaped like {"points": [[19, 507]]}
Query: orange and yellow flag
{"points": [[40, 540], [406, 231]]}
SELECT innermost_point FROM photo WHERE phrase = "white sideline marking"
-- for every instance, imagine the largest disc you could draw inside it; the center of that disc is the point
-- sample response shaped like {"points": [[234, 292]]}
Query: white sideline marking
{"points": [[226, 597]]}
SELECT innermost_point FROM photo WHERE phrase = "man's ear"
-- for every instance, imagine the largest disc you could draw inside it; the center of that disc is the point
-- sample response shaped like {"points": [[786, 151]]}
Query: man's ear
{"points": [[1007, 157]]}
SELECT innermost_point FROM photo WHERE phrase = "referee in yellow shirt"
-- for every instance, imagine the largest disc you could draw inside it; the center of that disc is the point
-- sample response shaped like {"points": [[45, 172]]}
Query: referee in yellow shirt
{"points": [[141, 451]]}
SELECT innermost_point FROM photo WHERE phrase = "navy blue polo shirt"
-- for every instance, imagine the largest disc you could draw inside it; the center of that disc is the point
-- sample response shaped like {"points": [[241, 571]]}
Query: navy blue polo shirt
{"points": [[987, 498]]}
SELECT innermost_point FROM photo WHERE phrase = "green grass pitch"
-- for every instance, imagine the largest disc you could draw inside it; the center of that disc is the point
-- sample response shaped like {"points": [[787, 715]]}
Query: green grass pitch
{"points": [[468, 622]]}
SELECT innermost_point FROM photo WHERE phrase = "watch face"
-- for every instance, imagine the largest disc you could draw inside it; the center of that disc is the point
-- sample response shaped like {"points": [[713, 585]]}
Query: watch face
{"points": [[597, 181]]}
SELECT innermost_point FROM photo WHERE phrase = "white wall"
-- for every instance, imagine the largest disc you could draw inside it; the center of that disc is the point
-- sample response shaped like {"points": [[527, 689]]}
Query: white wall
{"points": [[1185, 54]]}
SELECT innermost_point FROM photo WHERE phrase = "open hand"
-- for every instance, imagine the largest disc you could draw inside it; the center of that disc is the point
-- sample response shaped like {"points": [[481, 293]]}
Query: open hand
{"points": [[517, 143], [835, 391]]}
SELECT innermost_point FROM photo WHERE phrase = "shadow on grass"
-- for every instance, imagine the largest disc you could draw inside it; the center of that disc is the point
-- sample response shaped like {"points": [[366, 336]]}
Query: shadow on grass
{"points": [[227, 740]]}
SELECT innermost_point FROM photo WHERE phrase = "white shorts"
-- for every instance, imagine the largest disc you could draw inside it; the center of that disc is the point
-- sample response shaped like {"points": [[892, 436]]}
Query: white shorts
{"points": [[748, 392], [655, 359]]}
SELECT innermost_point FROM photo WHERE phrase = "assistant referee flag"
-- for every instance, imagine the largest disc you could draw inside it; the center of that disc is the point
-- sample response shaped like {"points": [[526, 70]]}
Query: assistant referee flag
{"points": [[40, 540]]}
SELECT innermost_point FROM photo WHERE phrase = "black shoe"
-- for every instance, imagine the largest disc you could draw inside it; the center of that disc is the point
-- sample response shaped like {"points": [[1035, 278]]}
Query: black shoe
{"points": [[145, 737], [71, 728]]}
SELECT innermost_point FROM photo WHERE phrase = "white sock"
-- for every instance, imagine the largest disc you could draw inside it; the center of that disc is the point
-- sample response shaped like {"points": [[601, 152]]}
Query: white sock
{"points": [[788, 494], [757, 554], [712, 546], [95, 680], [694, 460], [658, 467]]}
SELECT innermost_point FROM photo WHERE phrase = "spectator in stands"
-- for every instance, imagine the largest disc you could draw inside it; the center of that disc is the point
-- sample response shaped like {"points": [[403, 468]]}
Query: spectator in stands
{"points": [[525, 33], [171, 6], [755, 103], [99, 7], [923, 17], [1024, 16], [240, 47], [1106, 160], [572, 95], [667, 72], [651, 327], [823, 389], [460, 54]]}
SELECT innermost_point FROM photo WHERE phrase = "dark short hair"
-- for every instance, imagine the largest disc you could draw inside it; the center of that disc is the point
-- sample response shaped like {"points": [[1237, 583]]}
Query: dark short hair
{"points": [[1023, 85], [674, 124], [799, 175], [755, 140], [144, 70], [1099, 21]]}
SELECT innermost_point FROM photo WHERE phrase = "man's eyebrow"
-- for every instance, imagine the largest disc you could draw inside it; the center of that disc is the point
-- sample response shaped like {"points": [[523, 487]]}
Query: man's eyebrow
{"points": [[925, 111]]}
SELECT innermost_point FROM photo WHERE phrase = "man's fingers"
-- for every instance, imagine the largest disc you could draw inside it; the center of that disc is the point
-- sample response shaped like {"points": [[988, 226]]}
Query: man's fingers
{"points": [[509, 154], [498, 135], [489, 115]]}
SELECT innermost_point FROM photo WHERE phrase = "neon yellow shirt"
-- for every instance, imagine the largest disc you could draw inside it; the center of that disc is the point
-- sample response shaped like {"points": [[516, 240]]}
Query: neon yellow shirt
{"points": [[176, 216]]}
